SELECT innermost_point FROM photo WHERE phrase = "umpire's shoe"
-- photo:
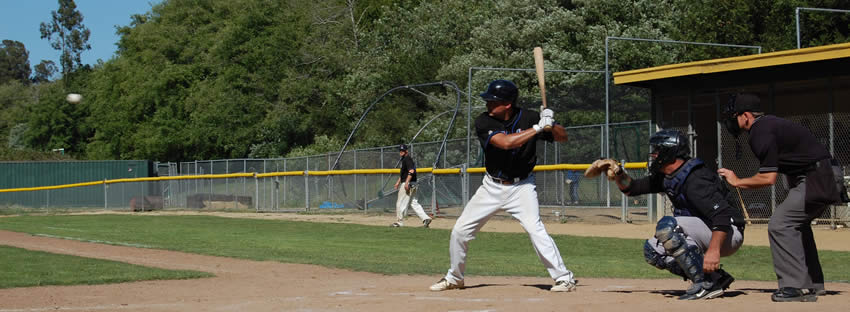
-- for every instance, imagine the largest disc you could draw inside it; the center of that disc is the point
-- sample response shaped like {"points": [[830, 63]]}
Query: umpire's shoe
{"points": [[443, 284], [790, 294]]}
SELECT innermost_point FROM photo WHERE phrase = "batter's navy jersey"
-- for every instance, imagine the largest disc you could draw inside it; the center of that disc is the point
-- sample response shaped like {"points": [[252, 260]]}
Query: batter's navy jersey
{"points": [[406, 165], [513, 163]]}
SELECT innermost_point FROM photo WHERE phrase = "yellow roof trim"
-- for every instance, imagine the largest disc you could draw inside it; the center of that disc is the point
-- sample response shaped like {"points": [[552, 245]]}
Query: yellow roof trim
{"points": [[820, 53]]}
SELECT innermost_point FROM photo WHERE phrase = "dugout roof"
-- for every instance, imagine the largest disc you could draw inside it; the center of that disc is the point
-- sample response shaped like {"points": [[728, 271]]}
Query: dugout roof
{"points": [[790, 64]]}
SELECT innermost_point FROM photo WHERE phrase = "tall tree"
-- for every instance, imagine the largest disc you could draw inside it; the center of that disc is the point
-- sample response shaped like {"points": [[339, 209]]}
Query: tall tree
{"points": [[66, 33], [43, 71], [14, 62]]}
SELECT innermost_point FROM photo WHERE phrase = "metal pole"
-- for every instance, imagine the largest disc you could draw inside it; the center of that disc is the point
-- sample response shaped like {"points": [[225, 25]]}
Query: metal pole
{"points": [[652, 207], [284, 182], [605, 131], [797, 18], [624, 202]]}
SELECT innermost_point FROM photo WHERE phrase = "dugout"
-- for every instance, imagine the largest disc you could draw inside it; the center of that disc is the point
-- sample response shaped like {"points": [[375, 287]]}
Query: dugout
{"points": [[810, 86]]}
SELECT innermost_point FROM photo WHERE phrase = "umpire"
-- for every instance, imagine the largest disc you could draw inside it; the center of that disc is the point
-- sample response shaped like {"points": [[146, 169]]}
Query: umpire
{"points": [[706, 223], [786, 147]]}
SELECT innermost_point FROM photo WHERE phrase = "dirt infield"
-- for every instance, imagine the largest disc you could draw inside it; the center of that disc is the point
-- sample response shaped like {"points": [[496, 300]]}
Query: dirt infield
{"points": [[242, 285]]}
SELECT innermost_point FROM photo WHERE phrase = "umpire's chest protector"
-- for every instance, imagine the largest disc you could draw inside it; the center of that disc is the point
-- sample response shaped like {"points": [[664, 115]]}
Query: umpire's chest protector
{"points": [[673, 187]]}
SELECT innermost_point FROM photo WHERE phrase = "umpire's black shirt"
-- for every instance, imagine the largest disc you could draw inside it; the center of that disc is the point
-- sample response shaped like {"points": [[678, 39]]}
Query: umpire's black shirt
{"points": [[784, 146], [513, 163], [707, 198], [406, 165]]}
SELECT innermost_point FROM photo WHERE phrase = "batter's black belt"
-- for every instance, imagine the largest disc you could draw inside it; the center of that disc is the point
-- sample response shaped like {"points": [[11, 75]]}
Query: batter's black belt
{"points": [[509, 181]]}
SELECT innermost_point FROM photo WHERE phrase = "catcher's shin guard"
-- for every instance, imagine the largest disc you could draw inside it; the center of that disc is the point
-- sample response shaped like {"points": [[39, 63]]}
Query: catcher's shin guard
{"points": [[689, 258], [658, 260]]}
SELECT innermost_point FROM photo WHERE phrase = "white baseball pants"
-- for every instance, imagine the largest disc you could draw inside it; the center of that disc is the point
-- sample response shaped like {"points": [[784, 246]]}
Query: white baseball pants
{"points": [[405, 201], [519, 200]]}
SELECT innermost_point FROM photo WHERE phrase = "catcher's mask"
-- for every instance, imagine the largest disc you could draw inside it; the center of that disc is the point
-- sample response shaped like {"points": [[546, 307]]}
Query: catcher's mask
{"points": [[737, 105], [501, 90], [665, 146]]}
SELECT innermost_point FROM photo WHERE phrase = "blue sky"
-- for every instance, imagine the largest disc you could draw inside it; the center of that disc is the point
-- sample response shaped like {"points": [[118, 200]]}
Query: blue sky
{"points": [[20, 20]]}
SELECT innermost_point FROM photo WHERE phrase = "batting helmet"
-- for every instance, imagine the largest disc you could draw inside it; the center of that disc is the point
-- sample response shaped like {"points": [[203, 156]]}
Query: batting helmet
{"points": [[501, 90], [667, 145]]}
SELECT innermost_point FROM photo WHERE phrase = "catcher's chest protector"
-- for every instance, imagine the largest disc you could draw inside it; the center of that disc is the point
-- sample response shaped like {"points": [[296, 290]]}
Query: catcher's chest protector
{"points": [[673, 187]]}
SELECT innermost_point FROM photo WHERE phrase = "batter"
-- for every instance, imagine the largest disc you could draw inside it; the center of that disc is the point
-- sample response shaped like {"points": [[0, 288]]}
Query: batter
{"points": [[508, 135]]}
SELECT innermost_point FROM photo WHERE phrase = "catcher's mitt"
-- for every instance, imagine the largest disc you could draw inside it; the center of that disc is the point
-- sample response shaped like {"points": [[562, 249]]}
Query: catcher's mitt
{"points": [[609, 166]]}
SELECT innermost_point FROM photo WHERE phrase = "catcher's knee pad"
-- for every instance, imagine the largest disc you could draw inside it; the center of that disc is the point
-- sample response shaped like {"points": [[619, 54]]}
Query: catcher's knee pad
{"points": [[665, 229]]}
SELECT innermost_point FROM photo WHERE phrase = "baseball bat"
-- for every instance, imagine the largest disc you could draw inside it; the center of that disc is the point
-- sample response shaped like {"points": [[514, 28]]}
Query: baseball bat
{"points": [[743, 206], [538, 66]]}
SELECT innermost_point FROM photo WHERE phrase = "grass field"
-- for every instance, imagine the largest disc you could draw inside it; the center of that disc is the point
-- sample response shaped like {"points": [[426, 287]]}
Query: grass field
{"points": [[24, 268], [379, 249]]}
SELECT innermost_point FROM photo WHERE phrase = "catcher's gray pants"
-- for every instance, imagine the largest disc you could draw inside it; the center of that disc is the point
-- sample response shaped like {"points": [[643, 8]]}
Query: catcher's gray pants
{"points": [[792, 243], [406, 200], [519, 200], [697, 233]]}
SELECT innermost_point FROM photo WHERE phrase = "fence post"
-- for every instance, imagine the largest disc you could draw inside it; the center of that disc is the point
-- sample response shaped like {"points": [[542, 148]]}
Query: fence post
{"points": [[105, 207], [623, 200], [355, 180], [256, 193], [307, 189], [284, 182], [433, 194], [464, 181]]}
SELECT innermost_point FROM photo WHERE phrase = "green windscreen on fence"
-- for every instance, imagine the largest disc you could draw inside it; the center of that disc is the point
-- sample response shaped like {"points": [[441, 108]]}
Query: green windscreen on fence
{"points": [[47, 173]]}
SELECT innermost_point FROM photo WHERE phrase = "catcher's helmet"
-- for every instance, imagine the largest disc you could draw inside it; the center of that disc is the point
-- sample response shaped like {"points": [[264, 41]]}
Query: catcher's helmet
{"points": [[501, 90], [667, 145]]}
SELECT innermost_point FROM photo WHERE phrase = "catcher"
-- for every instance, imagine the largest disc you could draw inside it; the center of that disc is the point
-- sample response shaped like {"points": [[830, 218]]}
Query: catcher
{"points": [[706, 223]]}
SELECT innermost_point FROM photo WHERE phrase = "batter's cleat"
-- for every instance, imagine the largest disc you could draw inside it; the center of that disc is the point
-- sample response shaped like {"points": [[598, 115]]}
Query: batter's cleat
{"points": [[396, 224], [443, 284], [426, 223], [564, 286], [790, 294]]}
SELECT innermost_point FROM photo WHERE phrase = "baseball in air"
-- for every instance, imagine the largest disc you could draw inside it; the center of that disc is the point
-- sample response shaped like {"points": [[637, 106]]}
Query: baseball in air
{"points": [[73, 98]]}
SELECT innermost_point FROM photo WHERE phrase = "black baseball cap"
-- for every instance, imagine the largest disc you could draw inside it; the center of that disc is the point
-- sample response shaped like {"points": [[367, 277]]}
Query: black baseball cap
{"points": [[402, 147], [744, 102]]}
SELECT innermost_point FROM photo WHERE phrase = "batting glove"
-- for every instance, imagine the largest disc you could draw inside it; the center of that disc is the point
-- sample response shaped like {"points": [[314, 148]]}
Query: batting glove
{"points": [[545, 121], [547, 113]]}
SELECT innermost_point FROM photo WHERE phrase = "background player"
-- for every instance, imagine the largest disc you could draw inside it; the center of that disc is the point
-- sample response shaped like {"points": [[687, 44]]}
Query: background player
{"points": [[407, 192], [508, 135], [706, 224]]}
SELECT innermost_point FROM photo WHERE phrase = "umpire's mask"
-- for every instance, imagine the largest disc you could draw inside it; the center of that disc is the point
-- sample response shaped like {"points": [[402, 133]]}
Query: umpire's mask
{"points": [[737, 105]]}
